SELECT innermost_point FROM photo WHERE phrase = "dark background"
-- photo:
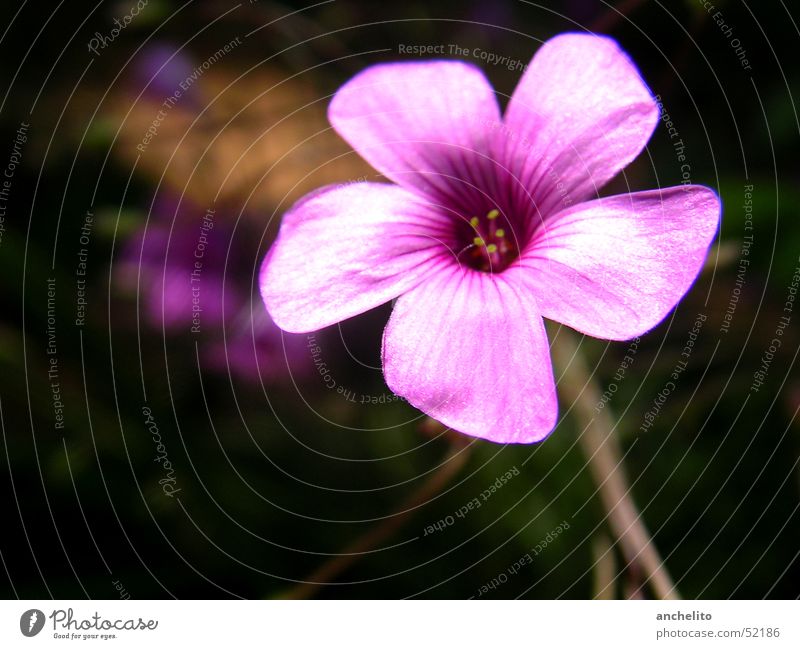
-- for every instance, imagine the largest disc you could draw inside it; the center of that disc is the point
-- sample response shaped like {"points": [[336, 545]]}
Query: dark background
{"points": [[277, 474]]}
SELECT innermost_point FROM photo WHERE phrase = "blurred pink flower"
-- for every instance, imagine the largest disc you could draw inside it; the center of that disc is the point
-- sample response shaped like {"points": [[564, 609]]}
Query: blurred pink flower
{"points": [[159, 258], [493, 223], [159, 261], [255, 349], [158, 70]]}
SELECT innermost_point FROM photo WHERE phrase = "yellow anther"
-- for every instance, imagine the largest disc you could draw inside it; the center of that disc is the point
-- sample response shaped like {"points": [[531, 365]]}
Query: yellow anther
{"points": [[491, 248], [500, 233], [493, 214], [478, 241], [474, 221]]}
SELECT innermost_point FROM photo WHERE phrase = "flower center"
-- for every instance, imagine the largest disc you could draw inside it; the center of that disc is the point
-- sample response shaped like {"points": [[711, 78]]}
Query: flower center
{"points": [[488, 243]]}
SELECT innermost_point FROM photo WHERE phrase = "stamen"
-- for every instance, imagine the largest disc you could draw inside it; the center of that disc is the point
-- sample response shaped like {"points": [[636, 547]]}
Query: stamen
{"points": [[490, 250]]}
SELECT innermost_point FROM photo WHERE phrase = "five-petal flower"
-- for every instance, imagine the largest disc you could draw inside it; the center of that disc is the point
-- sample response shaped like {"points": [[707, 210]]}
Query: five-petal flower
{"points": [[491, 223]]}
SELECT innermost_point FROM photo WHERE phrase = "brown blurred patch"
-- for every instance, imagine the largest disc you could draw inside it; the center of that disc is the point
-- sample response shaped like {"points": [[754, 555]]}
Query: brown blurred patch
{"points": [[263, 134]]}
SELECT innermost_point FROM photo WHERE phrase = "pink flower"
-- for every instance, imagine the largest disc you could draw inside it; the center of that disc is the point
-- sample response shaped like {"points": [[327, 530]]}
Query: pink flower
{"points": [[160, 261], [492, 224]]}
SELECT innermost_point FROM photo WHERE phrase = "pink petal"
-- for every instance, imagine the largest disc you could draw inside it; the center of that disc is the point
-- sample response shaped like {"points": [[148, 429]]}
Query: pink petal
{"points": [[579, 115], [419, 124], [470, 350], [344, 250], [615, 267]]}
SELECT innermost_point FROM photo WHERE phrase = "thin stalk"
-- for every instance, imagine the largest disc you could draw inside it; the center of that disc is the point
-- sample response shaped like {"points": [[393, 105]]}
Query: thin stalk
{"points": [[456, 457], [605, 567], [604, 455]]}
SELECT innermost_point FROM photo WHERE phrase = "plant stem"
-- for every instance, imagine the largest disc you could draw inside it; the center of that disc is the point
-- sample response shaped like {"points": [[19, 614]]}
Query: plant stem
{"points": [[604, 455], [456, 457], [605, 568]]}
